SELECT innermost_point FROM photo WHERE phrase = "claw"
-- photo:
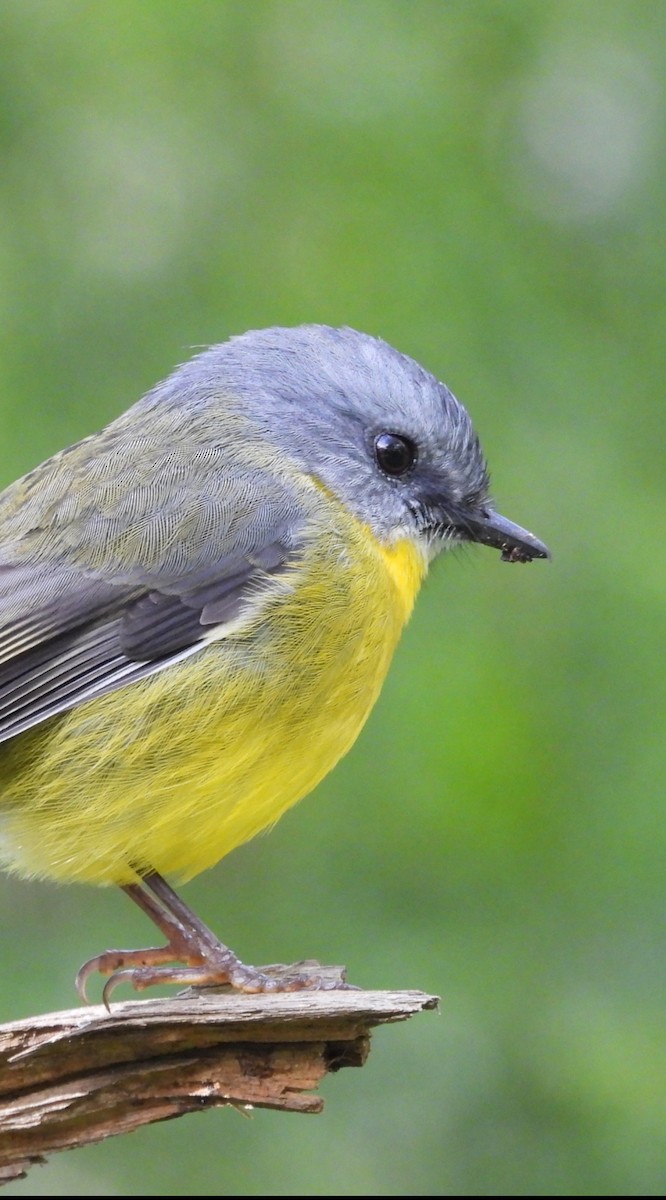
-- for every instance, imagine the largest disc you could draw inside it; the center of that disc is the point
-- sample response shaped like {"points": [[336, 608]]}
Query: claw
{"points": [[206, 962], [80, 983]]}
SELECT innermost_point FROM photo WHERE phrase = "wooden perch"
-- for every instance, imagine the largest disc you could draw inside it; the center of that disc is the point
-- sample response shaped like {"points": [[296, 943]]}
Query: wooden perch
{"points": [[71, 1078]]}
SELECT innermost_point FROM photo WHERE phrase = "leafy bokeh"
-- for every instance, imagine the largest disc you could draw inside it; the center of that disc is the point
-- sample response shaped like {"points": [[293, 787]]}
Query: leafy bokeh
{"points": [[483, 184]]}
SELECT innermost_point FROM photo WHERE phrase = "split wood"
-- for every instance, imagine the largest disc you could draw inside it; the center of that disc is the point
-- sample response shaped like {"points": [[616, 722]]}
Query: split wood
{"points": [[71, 1078]]}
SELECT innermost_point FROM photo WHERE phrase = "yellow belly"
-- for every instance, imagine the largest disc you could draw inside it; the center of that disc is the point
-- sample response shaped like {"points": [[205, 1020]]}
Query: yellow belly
{"points": [[174, 771]]}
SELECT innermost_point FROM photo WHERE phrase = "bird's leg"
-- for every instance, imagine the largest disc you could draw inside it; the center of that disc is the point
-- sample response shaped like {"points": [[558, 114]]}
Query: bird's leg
{"points": [[207, 961], [110, 962]]}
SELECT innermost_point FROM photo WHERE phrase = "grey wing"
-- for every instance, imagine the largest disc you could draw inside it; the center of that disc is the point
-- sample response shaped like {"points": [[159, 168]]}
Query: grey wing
{"points": [[92, 602]]}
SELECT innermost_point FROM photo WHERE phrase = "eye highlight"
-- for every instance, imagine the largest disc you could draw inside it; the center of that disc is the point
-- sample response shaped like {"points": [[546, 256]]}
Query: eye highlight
{"points": [[395, 454]]}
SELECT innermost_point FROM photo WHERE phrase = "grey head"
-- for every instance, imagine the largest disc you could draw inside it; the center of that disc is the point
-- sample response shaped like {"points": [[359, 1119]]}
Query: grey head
{"points": [[375, 428]]}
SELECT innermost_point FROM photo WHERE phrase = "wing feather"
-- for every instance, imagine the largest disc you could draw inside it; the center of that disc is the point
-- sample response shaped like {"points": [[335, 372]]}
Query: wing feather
{"points": [[97, 594]]}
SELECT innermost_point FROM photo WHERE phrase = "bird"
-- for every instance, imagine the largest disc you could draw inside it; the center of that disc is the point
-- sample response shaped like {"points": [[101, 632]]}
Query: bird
{"points": [[198, 608]]}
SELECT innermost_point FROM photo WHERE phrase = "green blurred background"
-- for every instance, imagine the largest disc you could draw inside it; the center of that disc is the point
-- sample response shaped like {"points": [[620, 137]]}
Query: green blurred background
{"points": [[482, 184]]}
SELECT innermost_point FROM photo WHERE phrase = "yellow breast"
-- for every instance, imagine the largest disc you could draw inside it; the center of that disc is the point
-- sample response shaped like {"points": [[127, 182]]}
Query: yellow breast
{"points": [[176, 770]]}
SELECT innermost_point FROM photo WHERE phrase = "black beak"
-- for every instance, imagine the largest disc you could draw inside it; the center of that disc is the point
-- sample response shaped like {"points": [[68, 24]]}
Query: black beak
{"points": [[490, 529]]}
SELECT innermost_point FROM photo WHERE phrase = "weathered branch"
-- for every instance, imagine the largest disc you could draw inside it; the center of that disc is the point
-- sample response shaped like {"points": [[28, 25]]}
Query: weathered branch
{"points": [[71, 1078]]}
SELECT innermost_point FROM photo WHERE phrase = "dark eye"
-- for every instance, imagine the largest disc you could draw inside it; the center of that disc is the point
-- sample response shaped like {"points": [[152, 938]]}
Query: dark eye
{"points": [[395, 454]]}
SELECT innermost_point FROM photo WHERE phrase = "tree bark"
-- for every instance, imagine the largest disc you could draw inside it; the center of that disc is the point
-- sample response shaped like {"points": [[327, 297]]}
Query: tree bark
{"points": [[71, 1078]]}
